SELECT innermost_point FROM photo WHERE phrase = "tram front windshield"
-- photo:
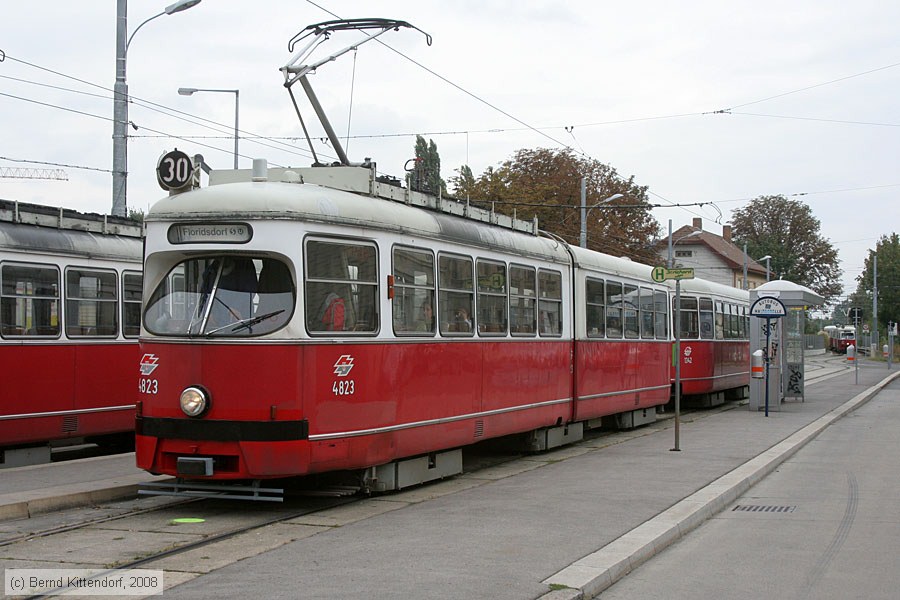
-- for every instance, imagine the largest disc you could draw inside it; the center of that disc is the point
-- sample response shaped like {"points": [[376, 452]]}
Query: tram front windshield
{"points": [[222, 296]]}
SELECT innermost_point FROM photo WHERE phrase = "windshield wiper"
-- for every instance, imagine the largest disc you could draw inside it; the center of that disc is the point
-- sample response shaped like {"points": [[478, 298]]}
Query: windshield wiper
{"points": [[247, 323]]}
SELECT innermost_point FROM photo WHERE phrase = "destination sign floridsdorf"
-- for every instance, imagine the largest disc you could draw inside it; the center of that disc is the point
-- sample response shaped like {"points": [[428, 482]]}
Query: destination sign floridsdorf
{"points": [[222, 233]]}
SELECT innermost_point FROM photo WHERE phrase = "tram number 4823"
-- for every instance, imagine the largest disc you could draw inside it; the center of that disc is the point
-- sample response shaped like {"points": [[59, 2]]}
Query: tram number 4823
{"points": [[343, 388], [148, 386]]}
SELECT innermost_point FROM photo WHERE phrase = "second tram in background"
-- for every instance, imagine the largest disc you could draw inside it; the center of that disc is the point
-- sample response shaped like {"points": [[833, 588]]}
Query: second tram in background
{"points": [[715, 353], [292, 328], [70, 306], [840, 337]]}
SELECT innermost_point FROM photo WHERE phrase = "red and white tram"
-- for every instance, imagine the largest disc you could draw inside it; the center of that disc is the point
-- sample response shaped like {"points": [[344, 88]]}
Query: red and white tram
{"points": [[715, 347], [70, 306], [840, 337], [292, 328]]}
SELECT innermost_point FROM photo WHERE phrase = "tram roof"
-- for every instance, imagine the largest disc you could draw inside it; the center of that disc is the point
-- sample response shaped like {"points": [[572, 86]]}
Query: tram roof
{"points": [[309, 202], [46, 240], [703, 286], [38, 229]]}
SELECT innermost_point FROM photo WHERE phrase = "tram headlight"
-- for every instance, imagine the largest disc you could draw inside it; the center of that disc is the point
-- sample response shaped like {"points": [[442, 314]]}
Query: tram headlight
{"points": [[194, 401]]}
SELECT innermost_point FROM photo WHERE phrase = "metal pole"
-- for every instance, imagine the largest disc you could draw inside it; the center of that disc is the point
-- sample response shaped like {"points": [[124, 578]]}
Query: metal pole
{"points": [[120, 100], [745, 286], [582, 240], [120, 115], [669, 264], [236, 112], [326, 124], [768, 258], [677, 447], [876, 342], [766, 356], [856, 354]]}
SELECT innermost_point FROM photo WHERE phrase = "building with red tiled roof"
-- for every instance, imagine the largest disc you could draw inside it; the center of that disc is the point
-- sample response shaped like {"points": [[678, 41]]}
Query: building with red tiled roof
{"points": [[713, 257]]}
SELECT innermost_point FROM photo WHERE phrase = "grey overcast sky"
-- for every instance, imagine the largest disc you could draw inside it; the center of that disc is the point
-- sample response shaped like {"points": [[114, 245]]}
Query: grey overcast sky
{"points": [[809, 88]]}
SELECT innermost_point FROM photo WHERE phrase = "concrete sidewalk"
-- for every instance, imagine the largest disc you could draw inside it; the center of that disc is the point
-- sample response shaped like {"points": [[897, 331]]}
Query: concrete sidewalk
{"points": [[37, 489]]}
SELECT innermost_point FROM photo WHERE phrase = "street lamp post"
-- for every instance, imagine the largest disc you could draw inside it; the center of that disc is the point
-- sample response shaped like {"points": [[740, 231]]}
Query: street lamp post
{"points": [[766, 258], [671, 261], [585, 211], [191, 91], [120, 100]]}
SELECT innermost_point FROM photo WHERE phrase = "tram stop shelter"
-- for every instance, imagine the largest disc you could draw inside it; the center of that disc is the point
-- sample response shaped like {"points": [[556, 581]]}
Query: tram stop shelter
{"points": [[786, 346]]}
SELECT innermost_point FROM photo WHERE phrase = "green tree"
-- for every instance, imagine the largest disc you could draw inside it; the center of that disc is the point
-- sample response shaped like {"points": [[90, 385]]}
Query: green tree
{"points": [[463, 182], [888, 251], [136, 214], [425, 174], [546, 184], [787, 231]]}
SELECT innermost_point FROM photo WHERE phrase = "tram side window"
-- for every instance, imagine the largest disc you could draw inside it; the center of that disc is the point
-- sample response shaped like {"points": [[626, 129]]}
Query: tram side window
{"points": [[720, 320], [706, 319], [690, 329], [596, 308], [630, 307], [456, 294], [732, 322], [492, 299], [29, 301], [341, 287], [413, 303], [132, 284], [614, 300], [550, 303], [661, 315], [745, 323], [522, 300], [646, 305], [91, 303]]}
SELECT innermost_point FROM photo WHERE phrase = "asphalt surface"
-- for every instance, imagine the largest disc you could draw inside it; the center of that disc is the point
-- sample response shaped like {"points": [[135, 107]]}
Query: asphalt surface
{"points": [[559, 525]]}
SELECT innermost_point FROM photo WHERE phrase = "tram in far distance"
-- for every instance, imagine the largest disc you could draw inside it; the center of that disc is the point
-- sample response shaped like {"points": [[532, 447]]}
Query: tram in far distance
{"points": [[840, 337], [70, 306]]}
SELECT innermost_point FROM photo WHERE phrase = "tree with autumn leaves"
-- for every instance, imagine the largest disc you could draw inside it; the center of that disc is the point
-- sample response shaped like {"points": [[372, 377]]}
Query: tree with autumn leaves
{"points": [[787, 231], [546, 184]]}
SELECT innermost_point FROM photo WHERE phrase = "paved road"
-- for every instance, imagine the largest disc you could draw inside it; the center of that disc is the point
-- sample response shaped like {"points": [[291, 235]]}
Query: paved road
{"points": [[833, 529]]}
